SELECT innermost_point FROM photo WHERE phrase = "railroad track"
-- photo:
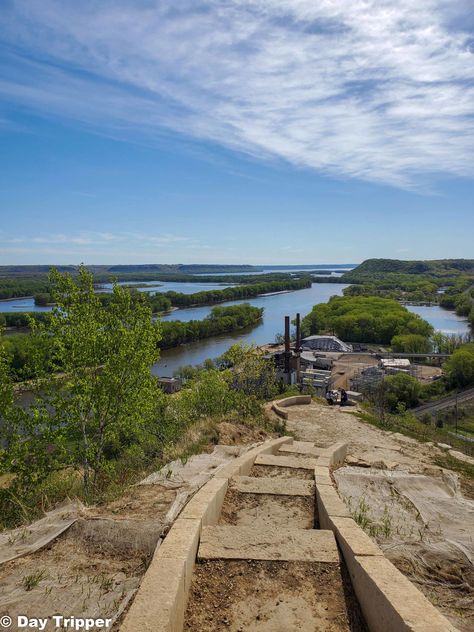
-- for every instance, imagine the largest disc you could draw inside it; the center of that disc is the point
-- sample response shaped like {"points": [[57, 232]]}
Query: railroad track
{"points": [[446, 402]]}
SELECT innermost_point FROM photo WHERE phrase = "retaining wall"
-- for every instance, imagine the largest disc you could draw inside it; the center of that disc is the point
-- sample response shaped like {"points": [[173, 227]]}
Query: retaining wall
{"points": [[160, 602], [389, 601], [295, 400]]}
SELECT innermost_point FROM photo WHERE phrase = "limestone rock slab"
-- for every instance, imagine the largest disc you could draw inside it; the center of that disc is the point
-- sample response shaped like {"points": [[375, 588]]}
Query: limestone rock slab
{"points": [[248, 543], [274, 486]]}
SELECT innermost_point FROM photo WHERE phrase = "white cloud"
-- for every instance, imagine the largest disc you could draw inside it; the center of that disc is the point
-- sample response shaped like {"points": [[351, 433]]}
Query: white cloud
{"points": [[371, 89], [125, 239]]}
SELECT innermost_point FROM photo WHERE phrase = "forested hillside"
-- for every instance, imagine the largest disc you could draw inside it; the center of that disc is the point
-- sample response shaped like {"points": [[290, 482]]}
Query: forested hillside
{"points": [[380, 268]]}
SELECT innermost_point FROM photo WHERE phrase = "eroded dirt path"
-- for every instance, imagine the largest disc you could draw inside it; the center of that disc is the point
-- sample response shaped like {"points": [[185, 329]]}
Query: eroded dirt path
{"points": [[419, 513], [266, 567]]}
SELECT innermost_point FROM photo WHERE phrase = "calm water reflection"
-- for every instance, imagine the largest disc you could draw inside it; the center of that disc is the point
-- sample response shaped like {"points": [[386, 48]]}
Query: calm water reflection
{"points": [[276, 307], [442, 320]]}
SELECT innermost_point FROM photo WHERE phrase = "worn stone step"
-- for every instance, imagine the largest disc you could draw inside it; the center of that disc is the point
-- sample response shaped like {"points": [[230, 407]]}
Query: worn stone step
{"points": [[248, 543], [301, 447], [274, 486], [286, 461]]}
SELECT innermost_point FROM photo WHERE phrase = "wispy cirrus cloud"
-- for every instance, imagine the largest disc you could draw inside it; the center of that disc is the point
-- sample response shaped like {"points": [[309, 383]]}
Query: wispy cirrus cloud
{"points": [[84, 240], [370, 89]]}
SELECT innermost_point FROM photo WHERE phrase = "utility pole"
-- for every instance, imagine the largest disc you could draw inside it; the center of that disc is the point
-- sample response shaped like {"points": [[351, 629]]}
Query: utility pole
{"points": [[456, 413], [298, 349], [287, 349]]}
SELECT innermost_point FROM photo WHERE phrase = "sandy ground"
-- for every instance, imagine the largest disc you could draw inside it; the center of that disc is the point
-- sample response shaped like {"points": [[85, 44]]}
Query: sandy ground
{"points": [[91, 569], [427, 373], [271, 471], [421, 515], [140, 502], [346, 366], [260, 597], [265, 510]]}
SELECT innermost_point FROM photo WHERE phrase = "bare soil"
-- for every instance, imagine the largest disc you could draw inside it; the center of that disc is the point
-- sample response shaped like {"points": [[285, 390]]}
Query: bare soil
{"points": [[346, 366], [140, 502], [273, 471], [239, 434], [268, 597], [94, 568], [263, 510], [90, 570]]}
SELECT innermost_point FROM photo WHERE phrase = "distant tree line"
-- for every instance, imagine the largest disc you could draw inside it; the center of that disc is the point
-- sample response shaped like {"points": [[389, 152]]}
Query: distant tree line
{"points": [[236, 292], [221, 320], [14, 288], [21, 319], [20, 348], [164, 301], [38, 286], [445, 281]]}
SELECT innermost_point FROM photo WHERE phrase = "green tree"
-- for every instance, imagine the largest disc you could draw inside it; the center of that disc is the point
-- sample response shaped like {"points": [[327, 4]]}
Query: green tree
{"points": [[403, 390], [460, 366], [448, 343], [6, 383], [105, 395], [251, 373], [30, 447], [364, 319], [410, 343]]}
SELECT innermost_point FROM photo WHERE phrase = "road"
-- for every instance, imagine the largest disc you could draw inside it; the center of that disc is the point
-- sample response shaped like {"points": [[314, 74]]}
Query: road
{"points": [[446, 402]]}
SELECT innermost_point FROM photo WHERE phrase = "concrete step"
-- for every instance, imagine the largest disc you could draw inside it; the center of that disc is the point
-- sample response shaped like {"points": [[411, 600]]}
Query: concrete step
{"points": [[274, 486], [300, 447], [248, 543], [286, 461]]}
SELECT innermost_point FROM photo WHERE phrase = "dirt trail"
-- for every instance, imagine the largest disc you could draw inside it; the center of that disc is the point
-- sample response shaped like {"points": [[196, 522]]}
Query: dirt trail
{"points": [[252, 577], [420, 514]]}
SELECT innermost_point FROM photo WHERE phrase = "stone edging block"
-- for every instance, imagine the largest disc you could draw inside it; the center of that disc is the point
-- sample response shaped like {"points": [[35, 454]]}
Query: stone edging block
{"points": [[279, 405], [322, 475], [335, 453], [206, 504], [160, 602], [389, 601], [242, 465], [329, 505]]}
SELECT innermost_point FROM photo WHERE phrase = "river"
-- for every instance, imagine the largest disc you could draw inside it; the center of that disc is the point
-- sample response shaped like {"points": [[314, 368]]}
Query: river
{"points": [[152, 287], [276, 307]]}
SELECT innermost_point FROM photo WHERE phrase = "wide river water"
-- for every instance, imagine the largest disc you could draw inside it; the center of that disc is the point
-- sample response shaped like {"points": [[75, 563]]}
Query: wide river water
{"points": [[276, 307]]}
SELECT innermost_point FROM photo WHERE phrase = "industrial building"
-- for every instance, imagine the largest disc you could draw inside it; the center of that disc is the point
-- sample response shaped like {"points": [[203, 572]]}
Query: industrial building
{"points": [[325, 343]]}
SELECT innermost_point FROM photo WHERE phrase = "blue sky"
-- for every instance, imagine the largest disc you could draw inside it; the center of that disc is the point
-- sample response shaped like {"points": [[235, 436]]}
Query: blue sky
{"points": [[263, 131]]}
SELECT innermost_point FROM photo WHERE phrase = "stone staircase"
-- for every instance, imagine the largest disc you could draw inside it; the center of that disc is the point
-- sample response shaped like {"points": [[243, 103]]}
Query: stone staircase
{"points": [[285, 571]]}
